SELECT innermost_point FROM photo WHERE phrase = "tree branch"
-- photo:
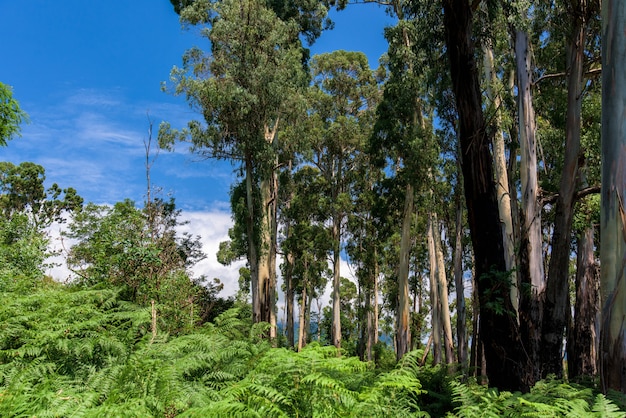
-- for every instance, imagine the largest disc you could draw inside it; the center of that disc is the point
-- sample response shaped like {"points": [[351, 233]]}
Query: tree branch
{"points": [[591, 73], [552, 198]]}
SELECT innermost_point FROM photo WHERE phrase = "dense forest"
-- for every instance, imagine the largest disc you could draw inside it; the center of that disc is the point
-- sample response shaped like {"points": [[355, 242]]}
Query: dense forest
{"points": [[473, 182]]}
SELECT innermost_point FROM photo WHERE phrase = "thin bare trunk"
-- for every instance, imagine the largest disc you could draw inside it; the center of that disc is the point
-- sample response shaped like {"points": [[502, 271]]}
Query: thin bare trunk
{"points": [[252, 245], [435, 304], [307, 319], [461, 332], [442, 288], [289, 296], [336, 236], [319, 319], [403, 324], [475, 347], [301, 315], [289, 286], [528, 164], [375, 325]]}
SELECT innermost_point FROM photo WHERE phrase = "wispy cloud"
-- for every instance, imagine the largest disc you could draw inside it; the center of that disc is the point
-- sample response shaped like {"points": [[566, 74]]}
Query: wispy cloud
{"points": [[93, 140]]}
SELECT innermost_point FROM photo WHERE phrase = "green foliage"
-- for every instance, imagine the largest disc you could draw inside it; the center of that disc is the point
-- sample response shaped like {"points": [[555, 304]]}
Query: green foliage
{"points": [[66, 351], [549, 398], [22, 191], [141, 251], [11, 115], [23, 249]]}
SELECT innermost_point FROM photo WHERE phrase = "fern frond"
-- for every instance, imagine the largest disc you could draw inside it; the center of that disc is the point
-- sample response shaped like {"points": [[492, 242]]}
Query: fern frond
{"points": [[603, 407]]}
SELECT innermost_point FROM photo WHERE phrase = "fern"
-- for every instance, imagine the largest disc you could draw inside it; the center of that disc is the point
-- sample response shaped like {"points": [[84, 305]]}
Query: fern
{"points": [[603, 407], [549, 398]]}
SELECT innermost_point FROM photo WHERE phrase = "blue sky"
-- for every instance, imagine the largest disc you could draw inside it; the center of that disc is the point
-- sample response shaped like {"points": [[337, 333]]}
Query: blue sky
{"points": [[89, 72]]}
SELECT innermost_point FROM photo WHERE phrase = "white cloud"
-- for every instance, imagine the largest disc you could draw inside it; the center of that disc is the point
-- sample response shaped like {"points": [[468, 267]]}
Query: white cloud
{"points": [[212, 228]]}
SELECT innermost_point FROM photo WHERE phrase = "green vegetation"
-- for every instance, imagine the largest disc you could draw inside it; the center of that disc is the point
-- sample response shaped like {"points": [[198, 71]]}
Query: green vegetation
{"points": [[11, 115], [69, 351], [336, 159]]}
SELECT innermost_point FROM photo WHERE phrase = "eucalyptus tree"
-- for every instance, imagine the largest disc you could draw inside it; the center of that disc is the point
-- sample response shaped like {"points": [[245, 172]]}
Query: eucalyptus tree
{"points": [[499, 330], [613, 213], [498, 94], [583, 333], [343, 94], [245, 89], [580, 16], [403, 140], [307, 242], [310, 15], [531, 269], [365, 241]]}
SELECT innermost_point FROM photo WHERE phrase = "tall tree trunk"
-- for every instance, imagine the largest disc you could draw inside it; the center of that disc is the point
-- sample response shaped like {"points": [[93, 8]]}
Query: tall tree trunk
{"points": [[336, 236], [265, 249], [375, 324], [289, 298], [582, 340], [435, 303], [613, 212], [301, 319], [336, 325], [531, 264], [476, 347], [267, 244], [499, 332], [461, 332], [252, 244], [502, 178], [365, 343], [403, 321], [442, 288], [557, 289], [307, 319], [371, 334], [273, 204], [265, 257], [289, 285]]}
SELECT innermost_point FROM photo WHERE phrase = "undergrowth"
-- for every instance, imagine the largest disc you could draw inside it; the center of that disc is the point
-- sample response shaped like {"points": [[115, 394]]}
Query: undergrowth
{"points": [[86, 353]]}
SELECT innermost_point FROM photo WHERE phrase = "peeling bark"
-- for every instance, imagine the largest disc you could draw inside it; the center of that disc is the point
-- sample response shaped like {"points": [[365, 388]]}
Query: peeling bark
{"points": [[502, 178], [532, 274]]}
